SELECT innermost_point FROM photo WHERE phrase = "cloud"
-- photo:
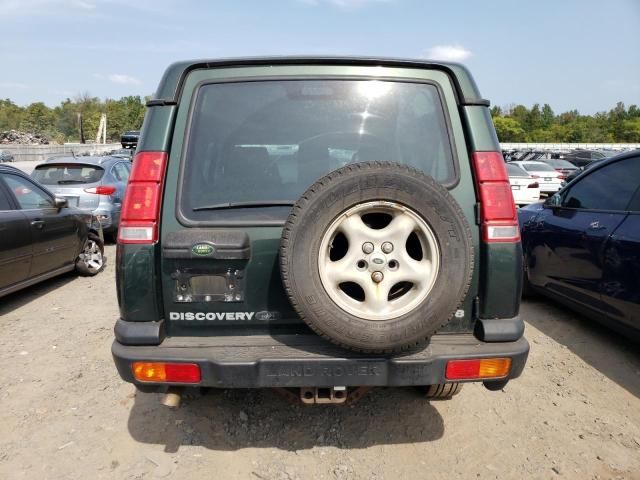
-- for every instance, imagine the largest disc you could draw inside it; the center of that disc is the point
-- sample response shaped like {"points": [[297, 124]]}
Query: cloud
{"points": [[70, 8], [346, 4], [85, 5], [14, 85], [121, 79], [43, 7], [454, 53]]}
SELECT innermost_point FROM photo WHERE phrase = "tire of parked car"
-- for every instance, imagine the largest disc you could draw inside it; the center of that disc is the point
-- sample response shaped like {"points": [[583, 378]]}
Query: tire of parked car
{"points": [[376, 257], [91, 260]]}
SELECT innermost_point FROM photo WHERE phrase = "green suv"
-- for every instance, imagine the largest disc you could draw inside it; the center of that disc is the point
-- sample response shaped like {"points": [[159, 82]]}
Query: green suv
{"points": [[318, 225]]}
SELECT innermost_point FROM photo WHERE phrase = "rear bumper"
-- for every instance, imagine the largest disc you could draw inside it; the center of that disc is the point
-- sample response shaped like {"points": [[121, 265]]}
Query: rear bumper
{"points": [[261, 361]]}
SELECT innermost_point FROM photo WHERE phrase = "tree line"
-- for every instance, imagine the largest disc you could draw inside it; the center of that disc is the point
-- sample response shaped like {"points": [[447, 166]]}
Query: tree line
{"points": [[63, 123], [514, 123], [517, 123]]}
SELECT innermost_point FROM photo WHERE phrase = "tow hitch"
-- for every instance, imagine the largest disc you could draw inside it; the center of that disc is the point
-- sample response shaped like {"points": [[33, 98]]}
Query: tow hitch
{"points": [[311, 395], [322, 395]]}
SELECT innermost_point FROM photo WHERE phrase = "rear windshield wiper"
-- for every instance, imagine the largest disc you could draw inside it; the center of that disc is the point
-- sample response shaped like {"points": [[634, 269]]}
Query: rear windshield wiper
{"points": [[222, 206], [65, 182]]}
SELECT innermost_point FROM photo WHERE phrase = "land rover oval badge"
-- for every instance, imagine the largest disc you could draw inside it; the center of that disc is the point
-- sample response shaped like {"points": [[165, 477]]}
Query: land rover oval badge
{"points": [[202, 249]]}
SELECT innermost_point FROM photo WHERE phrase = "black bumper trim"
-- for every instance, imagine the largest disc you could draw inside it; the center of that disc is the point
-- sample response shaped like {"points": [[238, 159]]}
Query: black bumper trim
{"points": [[139, 333], [267, 361], [499, 329]]}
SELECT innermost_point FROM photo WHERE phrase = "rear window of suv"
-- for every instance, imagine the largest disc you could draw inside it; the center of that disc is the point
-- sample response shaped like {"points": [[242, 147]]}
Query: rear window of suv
{"points": [[268, 141], [67, 174]]}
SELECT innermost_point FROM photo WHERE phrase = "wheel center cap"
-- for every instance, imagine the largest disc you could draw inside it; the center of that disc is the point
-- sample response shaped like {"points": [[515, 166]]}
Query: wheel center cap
{"points": [[377, 262]]}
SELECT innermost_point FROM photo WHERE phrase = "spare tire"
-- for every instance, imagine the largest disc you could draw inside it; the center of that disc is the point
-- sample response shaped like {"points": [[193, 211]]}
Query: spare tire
{"points": [[376, 257]]}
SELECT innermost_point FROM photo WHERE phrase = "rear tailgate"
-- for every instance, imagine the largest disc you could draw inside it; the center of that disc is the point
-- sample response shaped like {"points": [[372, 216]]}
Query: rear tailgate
{"points": [[219, 265]]}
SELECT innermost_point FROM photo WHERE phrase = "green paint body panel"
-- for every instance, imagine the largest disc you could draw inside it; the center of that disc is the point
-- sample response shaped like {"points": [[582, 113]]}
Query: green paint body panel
{"points": [[481, 136], [145, 283], [171, 87]]}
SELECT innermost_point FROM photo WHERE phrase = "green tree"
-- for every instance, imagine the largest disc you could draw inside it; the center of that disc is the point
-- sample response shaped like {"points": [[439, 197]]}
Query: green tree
{"points": [[547, 116], [631, 130], [10, 115], [534, 118], [37, 118], [509, 130]]}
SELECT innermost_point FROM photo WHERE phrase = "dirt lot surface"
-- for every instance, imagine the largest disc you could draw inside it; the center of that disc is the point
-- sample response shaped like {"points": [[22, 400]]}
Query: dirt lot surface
{"points": [[575, 412]]}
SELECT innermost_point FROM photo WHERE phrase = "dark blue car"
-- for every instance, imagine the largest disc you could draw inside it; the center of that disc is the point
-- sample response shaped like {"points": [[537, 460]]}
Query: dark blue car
{"points": [[582, 245]]}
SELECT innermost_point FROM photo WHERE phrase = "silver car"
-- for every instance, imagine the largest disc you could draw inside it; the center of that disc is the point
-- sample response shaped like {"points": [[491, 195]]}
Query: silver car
{"points": [[95, 184]]}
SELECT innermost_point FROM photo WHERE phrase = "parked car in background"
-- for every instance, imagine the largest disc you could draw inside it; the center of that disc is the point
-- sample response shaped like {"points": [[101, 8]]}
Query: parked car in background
{"points": [[125, 153], [41, 236], [579, 170], [582, 246], [549, 179], [94, 184], [524, 187], [581, 158], [563, 167], [6, 156], [130, 139]]}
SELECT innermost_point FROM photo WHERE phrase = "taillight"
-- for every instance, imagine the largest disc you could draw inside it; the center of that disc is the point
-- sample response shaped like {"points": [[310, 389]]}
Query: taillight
{"points": [[166, 372], [533, 185], [141, 204], [497, 208], [477, 368], [535, 176], [102, 190]]}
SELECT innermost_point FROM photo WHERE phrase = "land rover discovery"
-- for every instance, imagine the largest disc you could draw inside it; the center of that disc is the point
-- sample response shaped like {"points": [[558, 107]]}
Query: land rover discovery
{"points": [[318, 225]]}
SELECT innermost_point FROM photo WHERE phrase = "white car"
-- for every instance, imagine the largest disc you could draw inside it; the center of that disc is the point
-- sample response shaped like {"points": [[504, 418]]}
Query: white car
{"points": [[549, 179], [524, 187]]}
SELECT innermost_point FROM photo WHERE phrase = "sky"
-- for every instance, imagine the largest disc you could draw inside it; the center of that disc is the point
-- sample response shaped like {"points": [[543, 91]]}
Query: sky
{"points": [[572, 54]]}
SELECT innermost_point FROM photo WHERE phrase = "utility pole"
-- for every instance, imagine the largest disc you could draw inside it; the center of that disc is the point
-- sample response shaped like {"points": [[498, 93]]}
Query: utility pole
{"points": [[81, 128], [102, 129]]}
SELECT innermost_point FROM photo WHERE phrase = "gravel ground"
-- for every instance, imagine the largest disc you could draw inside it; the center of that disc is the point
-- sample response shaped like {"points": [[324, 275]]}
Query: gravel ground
{"points": [[575, 412]]}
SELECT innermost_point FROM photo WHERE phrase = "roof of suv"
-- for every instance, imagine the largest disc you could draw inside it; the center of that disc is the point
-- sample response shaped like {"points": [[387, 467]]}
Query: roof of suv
{"points": [[168, 91]]}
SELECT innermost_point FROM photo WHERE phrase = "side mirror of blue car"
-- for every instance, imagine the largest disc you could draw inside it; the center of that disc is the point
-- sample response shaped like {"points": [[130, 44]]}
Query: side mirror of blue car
{"points": [[554, 201]]}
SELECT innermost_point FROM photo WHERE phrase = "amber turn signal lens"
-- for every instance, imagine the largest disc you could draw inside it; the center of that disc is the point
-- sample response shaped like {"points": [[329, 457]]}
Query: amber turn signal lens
{"points": [[478, 368], [160, 372]]}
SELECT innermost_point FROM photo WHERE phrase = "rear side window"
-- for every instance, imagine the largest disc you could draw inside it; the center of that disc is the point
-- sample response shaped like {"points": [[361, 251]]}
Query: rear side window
{"points": [[270, 140], [28, 194], [121, 172], [4, 200], [608, 188], [67, 174], [634, 205]]}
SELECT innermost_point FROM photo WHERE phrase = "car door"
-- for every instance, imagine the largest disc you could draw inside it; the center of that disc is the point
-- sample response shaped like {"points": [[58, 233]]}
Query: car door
{"points": [[54, 231], [15, 241], [621, 277], [567, 247]]}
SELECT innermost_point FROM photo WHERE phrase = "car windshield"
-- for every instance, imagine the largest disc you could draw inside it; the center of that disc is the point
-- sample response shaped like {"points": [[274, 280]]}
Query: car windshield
{"points": [[538, 167], [270, 140], [516, 171], [57, 174]]}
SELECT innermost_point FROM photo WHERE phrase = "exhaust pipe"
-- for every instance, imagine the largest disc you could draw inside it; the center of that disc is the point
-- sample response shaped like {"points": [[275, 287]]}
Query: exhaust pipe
{"points": [[172, 398]]}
